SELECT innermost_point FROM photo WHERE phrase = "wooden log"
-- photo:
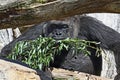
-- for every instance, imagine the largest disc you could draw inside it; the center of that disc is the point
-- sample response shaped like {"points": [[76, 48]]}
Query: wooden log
{"points": [[36, 13], [13, 71], [70, 75]]}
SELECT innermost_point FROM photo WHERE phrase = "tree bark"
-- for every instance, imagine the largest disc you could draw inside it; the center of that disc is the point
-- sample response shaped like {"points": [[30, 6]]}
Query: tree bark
{"points": [[70, 75], [12, 16], [12, 71]]}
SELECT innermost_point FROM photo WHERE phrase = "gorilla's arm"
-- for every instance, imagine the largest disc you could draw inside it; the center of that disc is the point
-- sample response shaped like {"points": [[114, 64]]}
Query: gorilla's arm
{"points": [[94, 30], [30, 34]]}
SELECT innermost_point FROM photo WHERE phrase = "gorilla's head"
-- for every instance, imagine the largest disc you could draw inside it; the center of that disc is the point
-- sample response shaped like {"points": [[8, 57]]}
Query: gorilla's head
{"points": [[57, 30], [61, 29]]}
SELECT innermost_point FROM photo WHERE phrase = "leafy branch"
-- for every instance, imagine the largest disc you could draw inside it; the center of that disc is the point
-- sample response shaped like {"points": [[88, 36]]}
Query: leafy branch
{"points": [[40, 52]]}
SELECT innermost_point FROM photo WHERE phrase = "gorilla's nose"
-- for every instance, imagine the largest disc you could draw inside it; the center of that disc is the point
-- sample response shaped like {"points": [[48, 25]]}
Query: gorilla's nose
{"points": [[58, 33]]}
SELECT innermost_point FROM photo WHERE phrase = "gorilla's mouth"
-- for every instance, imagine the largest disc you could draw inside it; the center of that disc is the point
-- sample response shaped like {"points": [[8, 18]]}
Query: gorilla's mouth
{"points": [[59, 38]]}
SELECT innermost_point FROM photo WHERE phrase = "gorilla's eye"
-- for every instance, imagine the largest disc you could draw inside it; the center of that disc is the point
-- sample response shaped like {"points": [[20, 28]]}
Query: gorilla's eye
{"points": [[65, 26], [53, 25]]}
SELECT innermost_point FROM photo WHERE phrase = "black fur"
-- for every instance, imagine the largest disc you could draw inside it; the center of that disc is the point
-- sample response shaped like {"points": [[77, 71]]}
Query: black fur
{"points": [[83, 27]]}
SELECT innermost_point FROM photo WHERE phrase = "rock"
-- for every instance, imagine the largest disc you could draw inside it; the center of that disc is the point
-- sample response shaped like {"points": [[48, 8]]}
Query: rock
{"points": [[13, 71]]}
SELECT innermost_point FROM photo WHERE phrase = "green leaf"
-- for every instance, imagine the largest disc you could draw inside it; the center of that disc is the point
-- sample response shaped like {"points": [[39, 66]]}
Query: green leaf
{"points": [[38, 53]]}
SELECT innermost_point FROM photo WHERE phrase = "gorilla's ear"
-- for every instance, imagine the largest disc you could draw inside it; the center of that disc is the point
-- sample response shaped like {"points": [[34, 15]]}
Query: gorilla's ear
{"points": [[74, 23], [45, 28]]}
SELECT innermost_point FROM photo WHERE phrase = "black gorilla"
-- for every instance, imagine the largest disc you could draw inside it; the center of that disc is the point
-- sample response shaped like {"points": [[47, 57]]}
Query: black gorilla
{"points": [[82, 27]]}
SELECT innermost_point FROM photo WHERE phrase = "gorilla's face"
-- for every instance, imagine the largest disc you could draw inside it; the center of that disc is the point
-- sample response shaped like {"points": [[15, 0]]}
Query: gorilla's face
{"points": [[58, 31]]}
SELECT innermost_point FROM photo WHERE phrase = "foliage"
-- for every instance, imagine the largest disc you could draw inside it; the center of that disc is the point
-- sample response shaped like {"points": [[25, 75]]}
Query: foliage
{"points": [[38, 53]]}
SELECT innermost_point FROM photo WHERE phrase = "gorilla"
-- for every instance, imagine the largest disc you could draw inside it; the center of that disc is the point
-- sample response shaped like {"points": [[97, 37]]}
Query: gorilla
{"points": [[82, 27]]}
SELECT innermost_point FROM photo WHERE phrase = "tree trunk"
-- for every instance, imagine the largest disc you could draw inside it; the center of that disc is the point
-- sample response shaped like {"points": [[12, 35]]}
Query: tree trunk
{"points": [[12, 16], [12, 71], [113, 21], [6, 36], [70, 75]]}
